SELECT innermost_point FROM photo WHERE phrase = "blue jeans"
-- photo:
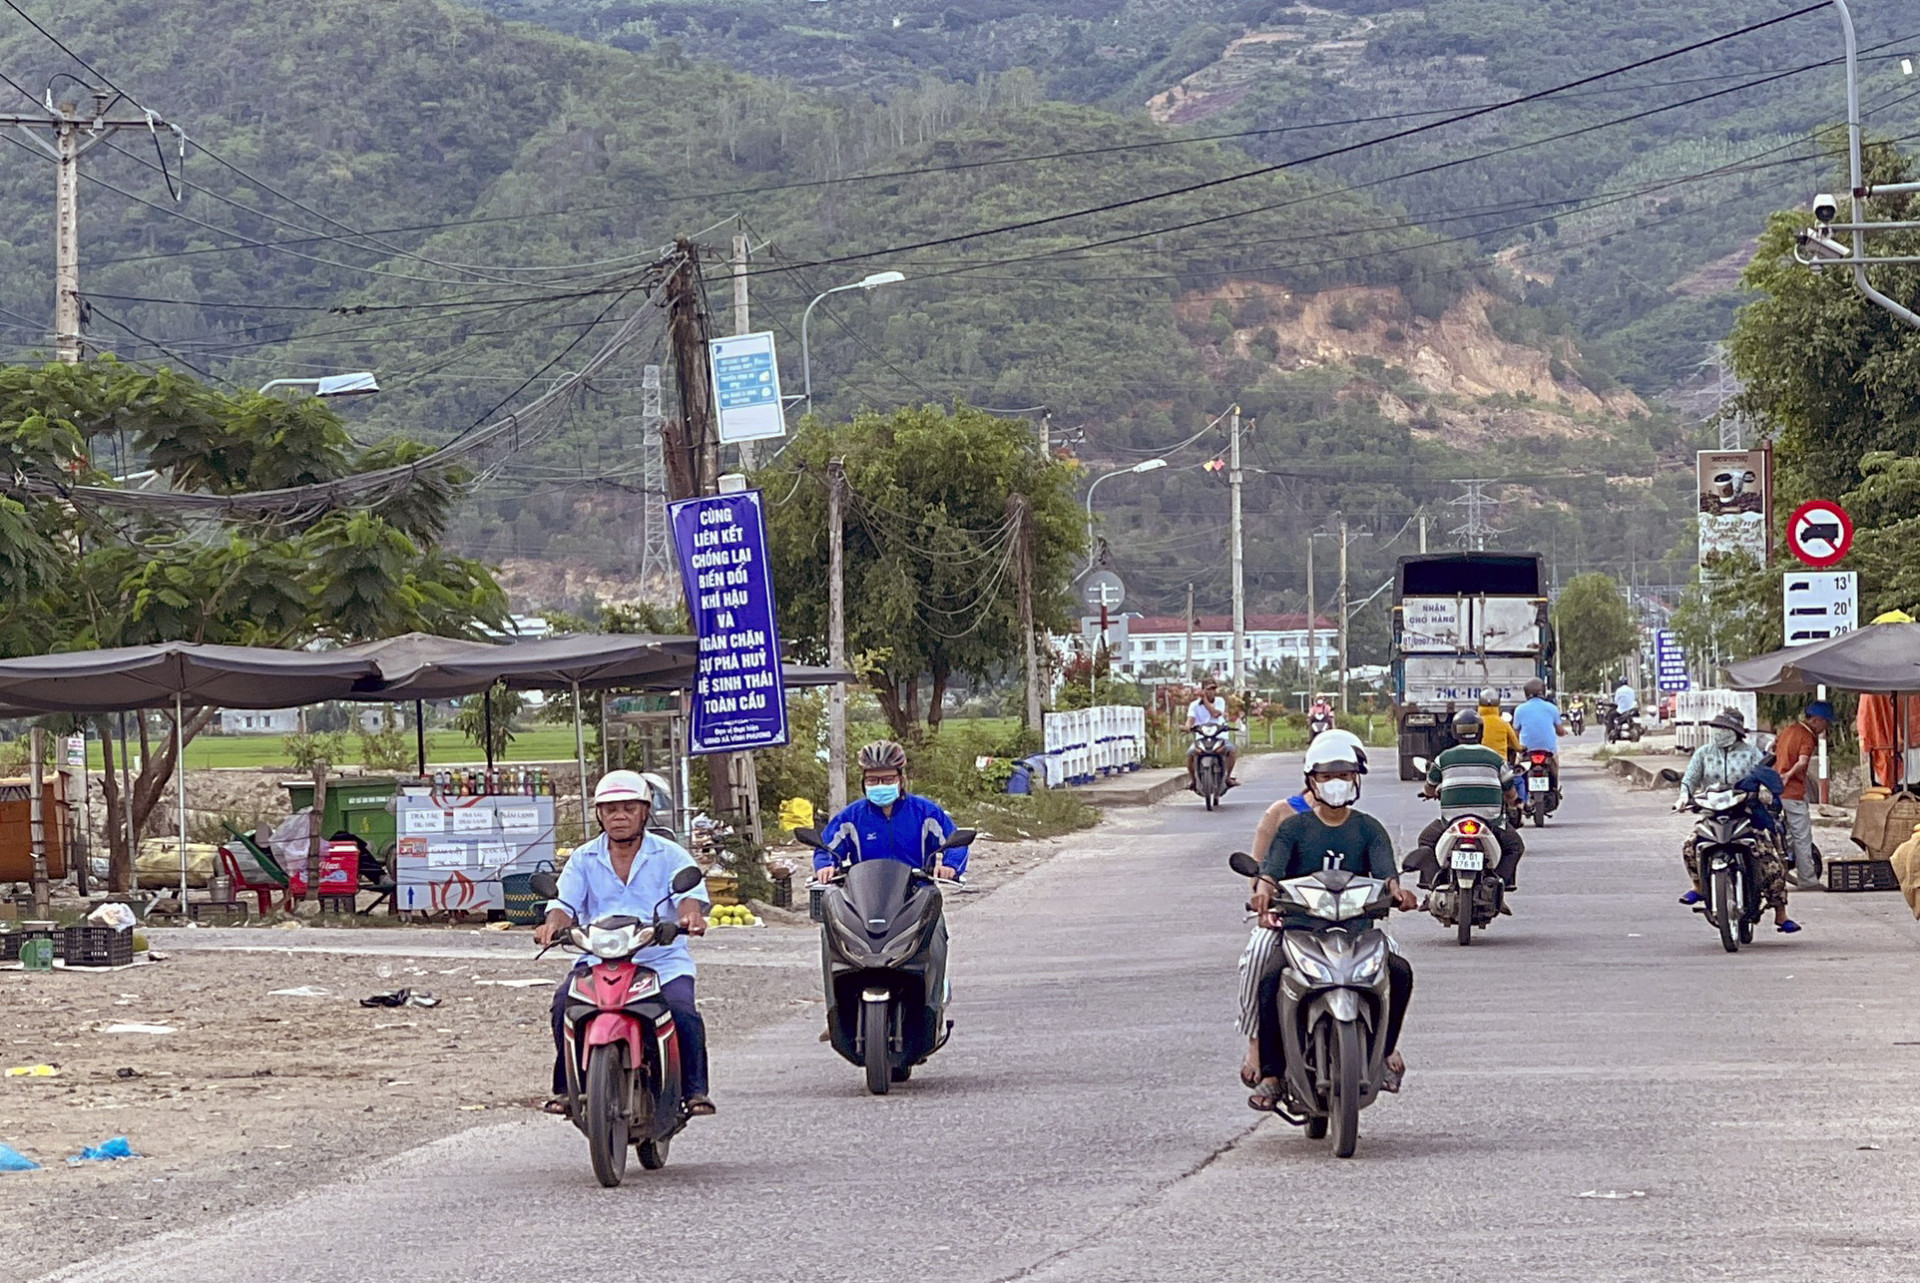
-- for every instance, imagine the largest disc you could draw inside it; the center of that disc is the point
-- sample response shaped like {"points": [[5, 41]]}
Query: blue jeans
{"points": [[688, 1028]]}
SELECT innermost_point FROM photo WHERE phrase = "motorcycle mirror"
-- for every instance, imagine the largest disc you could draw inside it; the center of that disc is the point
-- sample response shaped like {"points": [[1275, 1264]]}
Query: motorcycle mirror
{"points": [[544, 885], [1420, 764], [810, 837], [687, 879], [1243, 864], [959, 837]]}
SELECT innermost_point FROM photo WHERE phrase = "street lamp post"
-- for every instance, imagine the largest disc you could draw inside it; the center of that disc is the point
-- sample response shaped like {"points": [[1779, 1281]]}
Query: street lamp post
{"points": [[360, 383], [806, 359], [1151, 465]]}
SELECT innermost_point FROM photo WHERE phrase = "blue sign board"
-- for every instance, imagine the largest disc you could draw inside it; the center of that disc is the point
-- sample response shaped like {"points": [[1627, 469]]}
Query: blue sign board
{"points": [[1669, 662], [739, 700], [746, 387]]}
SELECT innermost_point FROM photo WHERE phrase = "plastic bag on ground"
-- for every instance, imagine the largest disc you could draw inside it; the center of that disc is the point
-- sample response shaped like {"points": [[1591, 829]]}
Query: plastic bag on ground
{"points": [[12, 1160], [105, 1152], [114, 915]]}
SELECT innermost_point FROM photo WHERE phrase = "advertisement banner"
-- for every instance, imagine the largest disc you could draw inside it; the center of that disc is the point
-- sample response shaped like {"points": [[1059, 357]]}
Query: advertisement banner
{"points": [[1736, 504], [1669, 663], [739, 700]]}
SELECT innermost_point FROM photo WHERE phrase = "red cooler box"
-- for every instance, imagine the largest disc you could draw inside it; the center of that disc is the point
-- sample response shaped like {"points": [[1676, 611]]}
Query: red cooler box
{"points": [[339, 871]]}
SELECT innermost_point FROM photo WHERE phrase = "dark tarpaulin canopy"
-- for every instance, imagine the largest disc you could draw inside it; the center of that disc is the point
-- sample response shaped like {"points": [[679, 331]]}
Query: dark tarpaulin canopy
{"points": [[419, 666], [1881, 658], [169, 673]]}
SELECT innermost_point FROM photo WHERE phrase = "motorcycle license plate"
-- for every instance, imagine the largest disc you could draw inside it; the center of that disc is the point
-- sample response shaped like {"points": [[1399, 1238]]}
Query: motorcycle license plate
{"points": [[1538, 781], [1473, 860]]}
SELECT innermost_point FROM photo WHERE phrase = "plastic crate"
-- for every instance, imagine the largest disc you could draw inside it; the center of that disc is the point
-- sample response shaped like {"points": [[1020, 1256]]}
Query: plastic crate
{"points": [[1861, 875], [97, 946]]}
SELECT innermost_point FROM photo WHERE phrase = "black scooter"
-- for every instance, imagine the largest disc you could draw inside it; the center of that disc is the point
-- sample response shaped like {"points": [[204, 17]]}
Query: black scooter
{"points": [[883, 959]]}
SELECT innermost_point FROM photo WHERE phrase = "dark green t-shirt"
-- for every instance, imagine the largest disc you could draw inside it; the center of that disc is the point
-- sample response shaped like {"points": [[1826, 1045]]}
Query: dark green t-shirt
{"points": [[1304, 845], [1471, 777]]}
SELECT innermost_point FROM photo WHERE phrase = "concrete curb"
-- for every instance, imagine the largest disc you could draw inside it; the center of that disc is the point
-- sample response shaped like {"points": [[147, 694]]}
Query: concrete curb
{"points": [[1131, 790]]}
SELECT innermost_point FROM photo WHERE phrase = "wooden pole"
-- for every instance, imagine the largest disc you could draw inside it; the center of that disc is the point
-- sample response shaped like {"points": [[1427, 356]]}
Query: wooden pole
{"points": [[37, 820], [836, 636], [316, 829], [1020, 513], [180, 787], [420, 733]]}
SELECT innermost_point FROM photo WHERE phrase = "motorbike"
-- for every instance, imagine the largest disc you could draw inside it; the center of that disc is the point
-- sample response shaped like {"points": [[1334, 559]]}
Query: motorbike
{"points": [[1577, 719], [1623, 726], [1210, 770], [1321, 719], [622, 1054], [1468, 853], [1726, 845], [1536, 787], [883, 957], [1333, 1000]]}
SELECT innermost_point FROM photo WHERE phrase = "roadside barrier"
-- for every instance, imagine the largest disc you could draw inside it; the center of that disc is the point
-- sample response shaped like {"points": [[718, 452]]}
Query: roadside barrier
{"points": [[1087, 743], [1693, 709]]}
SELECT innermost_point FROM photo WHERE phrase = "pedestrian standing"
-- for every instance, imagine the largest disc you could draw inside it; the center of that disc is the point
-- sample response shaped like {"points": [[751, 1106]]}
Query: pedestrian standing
{"points": [[1793, 753]]}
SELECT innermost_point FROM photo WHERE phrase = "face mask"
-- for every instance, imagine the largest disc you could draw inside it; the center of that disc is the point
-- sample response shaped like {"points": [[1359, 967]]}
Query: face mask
{"points": [[883, 794], [1336, 792], [1722, 737]]}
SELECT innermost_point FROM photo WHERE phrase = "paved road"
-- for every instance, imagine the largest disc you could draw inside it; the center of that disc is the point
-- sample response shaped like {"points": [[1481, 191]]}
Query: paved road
{"points": [[1756, 1114]]}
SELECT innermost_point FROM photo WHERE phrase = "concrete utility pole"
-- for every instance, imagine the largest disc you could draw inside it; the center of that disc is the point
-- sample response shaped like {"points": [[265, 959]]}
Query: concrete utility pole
{"points": [[836, 634], [1313, 630], [1423, 534], [656, 557], [741, 319], [1188, 675], [74, 134], [1020, 512], [1239, 568], [1344, 609]]}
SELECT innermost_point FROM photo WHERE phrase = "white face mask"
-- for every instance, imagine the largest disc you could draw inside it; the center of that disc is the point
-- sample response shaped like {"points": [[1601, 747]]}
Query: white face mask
{"points": [[1337, 792], [1722, 737]]}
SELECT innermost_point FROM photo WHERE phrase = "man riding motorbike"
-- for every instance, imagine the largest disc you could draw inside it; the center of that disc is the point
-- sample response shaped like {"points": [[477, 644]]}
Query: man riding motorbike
{"points": [[1469, 779], [1626, 705], [1728, 761], [1206, 711], [889, 823], [627, 870], [1540, 726], [1330, 835]]}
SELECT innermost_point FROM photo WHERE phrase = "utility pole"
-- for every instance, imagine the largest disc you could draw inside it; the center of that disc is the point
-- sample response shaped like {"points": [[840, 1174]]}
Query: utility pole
{"points": [[1239, 568], [1187, 676], [1313, 627], [836, 635], [656, 558], [1344, 606], [37, 824], [1020, 513], [74, 134], [741, 320], [1423, 534]]}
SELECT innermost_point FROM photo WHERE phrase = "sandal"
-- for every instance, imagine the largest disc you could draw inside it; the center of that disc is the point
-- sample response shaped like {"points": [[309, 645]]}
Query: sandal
{"points": [[1249, 1075], [556, 1105], [1395, 1071], [1266, 1096], [699, 1107]]}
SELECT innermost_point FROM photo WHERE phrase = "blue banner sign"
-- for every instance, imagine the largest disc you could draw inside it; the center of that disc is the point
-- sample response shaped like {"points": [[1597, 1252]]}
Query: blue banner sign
{"points": [[739, 700], [1669, 663]]}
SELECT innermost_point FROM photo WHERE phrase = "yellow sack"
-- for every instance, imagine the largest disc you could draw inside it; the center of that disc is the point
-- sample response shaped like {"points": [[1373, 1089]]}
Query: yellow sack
{"points": [[796, 813], [1906, 867]]}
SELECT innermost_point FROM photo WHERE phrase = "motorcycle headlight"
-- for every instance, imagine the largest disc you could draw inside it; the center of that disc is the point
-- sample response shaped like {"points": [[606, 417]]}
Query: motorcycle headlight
{"points": [[1354, 901], [1307, 965], [1317, 900], [618, 942], [1369, 967]]}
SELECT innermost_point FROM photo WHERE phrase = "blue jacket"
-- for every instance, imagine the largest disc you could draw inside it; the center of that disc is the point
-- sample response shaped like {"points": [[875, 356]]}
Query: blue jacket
{"points": [[917, 827]]}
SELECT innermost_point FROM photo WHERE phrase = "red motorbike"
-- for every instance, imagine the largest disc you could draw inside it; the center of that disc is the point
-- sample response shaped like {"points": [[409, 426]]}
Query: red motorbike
{"points": [[1539, 786], [623, 1058]]}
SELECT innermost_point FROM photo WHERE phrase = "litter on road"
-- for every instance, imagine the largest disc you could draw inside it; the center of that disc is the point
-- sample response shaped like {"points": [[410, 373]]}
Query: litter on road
{"points": [[34, 1071], [106, 1151], [303, 991], [138, 1029], [12, 1160]]}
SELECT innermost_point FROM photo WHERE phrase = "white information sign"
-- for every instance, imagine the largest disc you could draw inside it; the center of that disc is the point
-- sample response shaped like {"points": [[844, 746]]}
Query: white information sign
{"points": [[446, 855], [1432, 624], [424, 821], [519, 819], [76, 750], [473, 819], [1819, 604], [746, 387]]}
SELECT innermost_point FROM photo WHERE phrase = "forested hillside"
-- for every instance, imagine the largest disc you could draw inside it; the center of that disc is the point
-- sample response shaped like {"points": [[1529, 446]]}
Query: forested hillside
{"points": [[462, 204]]}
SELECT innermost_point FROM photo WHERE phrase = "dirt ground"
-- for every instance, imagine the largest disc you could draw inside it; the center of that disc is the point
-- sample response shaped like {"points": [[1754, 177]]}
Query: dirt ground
{"points": [[255, 1096]]}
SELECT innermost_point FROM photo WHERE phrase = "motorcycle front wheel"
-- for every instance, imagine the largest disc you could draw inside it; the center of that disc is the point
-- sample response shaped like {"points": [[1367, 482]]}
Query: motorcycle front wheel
{"points": [[1726, 912], [1345, 1078], [608, 1086], [874, 1053]]}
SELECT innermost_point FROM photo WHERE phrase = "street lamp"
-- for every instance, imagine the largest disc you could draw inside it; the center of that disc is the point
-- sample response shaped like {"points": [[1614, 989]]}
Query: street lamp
{"points": [[360, 383], [1151, 465], [806, 360]]}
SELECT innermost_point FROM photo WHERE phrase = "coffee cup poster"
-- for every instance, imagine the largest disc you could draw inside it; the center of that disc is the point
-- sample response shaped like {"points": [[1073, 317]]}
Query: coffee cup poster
{"points": [[1736, 504]]}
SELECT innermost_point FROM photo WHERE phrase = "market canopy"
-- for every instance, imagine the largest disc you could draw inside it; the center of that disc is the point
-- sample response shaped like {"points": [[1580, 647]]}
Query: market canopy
{"points": [[1877, 658], [130, 677], [420, 666]]}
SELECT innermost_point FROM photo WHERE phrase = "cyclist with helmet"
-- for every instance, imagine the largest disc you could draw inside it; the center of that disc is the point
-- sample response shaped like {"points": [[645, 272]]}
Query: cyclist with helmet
{"points": [[627, 870], [1540, 726], [1331, 834], [889, 823], [1496, 732], [1469, 779]]}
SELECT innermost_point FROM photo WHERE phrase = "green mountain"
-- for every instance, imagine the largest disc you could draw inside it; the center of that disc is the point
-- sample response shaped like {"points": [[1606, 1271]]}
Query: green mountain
{"points": [[465, 205]]}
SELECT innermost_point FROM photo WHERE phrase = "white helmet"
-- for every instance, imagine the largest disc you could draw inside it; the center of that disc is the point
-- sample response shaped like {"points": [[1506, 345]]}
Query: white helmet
{"points": [[628, 786], [1336, 750]]}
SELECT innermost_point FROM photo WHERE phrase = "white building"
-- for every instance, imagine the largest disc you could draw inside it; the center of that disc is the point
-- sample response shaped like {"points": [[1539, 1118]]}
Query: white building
{"points": [[1137, 641], [255, 721]]}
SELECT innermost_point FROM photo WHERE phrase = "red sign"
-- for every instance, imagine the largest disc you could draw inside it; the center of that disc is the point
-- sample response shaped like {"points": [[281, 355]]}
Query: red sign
{"points": [[1819, 533]]}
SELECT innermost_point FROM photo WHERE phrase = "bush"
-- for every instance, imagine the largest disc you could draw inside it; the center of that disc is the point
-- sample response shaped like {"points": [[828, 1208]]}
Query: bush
{"points": [[307, 751], [387, 749]]}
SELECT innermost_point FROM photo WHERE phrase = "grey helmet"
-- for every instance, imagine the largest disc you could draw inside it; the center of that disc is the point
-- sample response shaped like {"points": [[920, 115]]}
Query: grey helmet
{"points": [[1535, 688]]}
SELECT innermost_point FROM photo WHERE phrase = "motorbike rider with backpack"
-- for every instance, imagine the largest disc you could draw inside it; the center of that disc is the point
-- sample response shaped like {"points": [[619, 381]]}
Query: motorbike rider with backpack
{"points": [[1331, 834], [1469, 778], [1206, 711], [627, 870], [1728, 761]]}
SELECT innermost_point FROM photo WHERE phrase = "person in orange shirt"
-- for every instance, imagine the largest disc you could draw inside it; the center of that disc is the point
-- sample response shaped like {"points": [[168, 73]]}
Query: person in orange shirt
{"points": [[1793, 754]]}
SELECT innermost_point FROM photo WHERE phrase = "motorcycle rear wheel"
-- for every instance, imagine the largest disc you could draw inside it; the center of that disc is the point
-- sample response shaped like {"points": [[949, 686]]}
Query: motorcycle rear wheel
{"points": [[874, 1052], [1463, 913], [1344, 1107], [1726, 913], [608, 1086]]}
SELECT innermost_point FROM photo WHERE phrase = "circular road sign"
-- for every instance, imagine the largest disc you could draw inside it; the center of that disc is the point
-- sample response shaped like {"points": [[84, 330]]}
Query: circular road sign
{"points": [[1819, 532], [1103, 588]]}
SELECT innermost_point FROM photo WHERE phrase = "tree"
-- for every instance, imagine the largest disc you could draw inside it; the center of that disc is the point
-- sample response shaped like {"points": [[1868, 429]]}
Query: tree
{"points": [[475, 720], [929, 548], [78, 577], [1595, 629]]}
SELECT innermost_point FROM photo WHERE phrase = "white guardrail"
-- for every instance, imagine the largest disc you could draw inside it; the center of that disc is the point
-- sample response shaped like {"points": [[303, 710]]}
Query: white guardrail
{"points": [[1087, 743], [1693, 709]]}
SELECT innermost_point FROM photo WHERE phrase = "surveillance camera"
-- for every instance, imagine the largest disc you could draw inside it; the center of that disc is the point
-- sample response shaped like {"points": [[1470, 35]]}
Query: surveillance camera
{"points": [[1825, 208]]}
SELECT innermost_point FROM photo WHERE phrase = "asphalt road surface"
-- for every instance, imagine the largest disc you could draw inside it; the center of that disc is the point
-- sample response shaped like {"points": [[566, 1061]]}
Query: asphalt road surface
{"points": [[1596, 1092]]}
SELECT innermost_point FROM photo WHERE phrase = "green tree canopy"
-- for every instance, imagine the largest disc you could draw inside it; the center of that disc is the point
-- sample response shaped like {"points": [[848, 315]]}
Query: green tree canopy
{"points": [[931, 558], [1595, 629]]}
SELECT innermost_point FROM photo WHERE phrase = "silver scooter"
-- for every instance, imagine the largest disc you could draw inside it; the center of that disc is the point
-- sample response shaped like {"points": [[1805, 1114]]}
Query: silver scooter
{"points": [[1333, 998]]}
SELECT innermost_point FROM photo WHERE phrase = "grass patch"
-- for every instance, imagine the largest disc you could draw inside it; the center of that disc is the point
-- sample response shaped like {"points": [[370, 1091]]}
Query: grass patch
{"points": [[1046, 813], [444, 748]]}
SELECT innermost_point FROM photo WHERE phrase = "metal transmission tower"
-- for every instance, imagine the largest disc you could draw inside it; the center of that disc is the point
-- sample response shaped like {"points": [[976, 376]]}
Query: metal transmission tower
{"points": [[1478, 505], [1733, 427], [656, 549]]}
